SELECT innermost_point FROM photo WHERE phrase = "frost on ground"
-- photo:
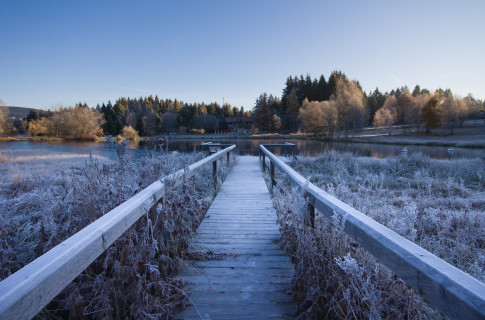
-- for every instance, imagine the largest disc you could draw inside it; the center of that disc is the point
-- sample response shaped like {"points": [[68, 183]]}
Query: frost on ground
{"points": [[132, 279], [438, 204], [21, 164]]}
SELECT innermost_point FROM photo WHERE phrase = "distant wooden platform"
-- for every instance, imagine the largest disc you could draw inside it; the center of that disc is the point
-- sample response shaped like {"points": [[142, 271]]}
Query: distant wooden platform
{"points": [[253, 276]]}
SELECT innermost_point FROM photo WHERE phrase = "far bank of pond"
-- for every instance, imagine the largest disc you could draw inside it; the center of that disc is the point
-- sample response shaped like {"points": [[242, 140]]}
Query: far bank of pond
{"points": [[137, 149]]}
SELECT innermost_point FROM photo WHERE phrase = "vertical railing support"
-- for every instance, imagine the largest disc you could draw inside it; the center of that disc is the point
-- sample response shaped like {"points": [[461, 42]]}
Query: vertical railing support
{"points": [[214, 173], [228, 157], [264, 162], [273, 181], [311, 214]]}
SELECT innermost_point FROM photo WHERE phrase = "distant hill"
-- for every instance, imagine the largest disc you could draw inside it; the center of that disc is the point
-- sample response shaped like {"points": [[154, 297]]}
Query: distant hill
{"points": [[18, 112]]}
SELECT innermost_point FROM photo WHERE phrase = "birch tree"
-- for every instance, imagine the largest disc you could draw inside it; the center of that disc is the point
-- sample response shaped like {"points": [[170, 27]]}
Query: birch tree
{"points": [[311, 116], [386, 116], [329, 117], [350, 104]]}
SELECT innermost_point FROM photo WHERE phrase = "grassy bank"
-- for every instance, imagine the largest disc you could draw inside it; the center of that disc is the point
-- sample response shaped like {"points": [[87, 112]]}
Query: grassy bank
{"points": [[28, 138], [469, 137], [220, 136]]}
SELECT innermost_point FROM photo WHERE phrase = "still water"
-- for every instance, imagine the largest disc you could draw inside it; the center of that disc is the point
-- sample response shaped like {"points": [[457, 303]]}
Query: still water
{"points": [[244, 147]]}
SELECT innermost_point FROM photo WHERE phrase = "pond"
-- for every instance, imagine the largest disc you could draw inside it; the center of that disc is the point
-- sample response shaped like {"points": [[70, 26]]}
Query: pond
{"points": [[36, 150], [35, 159]]}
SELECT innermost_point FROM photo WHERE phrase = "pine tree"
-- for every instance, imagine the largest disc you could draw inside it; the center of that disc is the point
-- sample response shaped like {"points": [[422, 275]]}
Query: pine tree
{"points": [[431, 113], [322, 91]]}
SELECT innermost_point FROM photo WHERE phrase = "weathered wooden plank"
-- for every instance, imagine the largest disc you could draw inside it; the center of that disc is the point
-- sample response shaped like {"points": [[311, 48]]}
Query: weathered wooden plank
{"points": [[216, 274], [237, 280], [246, 250], [252, 280], [246, 297], [271, 237], [457, 294], [236, 287], [268, 310]]}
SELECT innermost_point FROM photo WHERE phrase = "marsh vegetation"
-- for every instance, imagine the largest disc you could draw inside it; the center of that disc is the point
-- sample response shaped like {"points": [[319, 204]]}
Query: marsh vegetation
{"points": [[437, 204], [133, 277]]}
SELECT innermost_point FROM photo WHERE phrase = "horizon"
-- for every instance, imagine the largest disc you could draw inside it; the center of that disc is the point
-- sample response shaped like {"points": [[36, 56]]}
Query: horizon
{"points": [[60, 53]]}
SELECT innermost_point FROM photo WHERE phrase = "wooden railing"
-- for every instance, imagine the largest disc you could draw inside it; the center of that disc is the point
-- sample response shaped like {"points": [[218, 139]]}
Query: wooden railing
{"points": [[27, 291], [452, 291]]}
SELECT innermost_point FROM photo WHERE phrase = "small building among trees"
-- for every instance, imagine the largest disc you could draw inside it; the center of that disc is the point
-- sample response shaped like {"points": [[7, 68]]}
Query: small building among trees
{"points": [[241, 124]]}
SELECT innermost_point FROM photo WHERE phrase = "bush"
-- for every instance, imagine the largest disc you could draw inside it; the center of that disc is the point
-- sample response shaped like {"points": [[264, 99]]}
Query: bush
{"points": [[129, 133], [197, 131]]}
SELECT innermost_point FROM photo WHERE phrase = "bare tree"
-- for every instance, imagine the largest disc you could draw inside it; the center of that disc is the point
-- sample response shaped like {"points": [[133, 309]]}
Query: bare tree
{"points": [[42, 127], [6, 127], [169, 121], [311, 116], [450, 113], [406, 104], [386, 116], [415, 117], [78, 122], [3, 120], [350, 103], [329, 117]]}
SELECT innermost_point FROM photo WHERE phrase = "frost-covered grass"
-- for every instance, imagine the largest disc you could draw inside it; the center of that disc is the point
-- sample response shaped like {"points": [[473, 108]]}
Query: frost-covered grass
{"points": [[19, 164], [334, 277], [439, 204], [132, 279]]}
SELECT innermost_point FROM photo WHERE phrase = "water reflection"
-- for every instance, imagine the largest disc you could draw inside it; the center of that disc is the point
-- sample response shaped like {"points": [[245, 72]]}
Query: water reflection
{"points": [[310, 147], [138, 149]]}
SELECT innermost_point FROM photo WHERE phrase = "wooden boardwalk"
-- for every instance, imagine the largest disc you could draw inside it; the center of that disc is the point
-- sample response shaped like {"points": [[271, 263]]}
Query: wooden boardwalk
{"points": [[252, 277]]}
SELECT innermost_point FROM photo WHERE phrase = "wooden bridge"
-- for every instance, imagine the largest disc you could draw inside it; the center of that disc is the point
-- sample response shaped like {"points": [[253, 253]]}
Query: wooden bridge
{"points": [[243, 274], [253, 276]]}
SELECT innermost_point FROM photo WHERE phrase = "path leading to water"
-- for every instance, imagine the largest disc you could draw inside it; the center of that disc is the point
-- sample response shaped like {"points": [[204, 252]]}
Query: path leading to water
{"points": [[247, 275]]}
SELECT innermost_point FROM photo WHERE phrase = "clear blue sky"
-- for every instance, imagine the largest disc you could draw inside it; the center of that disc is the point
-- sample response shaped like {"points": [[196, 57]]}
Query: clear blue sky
{"points": [[63, 52]]}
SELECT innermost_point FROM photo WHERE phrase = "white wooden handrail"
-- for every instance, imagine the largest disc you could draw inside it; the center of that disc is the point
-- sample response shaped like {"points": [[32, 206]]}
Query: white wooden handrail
{"points": [[27, 291], [452, 291]]}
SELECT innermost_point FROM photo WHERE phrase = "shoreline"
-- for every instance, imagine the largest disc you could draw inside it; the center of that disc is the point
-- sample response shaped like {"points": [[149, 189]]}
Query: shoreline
{"points": [[473, 138]]}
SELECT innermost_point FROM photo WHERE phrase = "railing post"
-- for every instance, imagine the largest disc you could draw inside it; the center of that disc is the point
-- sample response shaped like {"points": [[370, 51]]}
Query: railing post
{"points": [[214, 173], [273, 181], [311, 214], [228, 157], [264, 161]]}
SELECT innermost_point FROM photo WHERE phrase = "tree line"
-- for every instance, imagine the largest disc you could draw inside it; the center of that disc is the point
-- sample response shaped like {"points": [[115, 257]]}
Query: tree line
{"points": [[334, 108], [128, 117], [339, 106], [151, 115]]}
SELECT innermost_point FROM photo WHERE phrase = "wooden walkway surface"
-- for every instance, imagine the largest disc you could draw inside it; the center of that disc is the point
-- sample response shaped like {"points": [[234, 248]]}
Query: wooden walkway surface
{"points": [[253, 276]]}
